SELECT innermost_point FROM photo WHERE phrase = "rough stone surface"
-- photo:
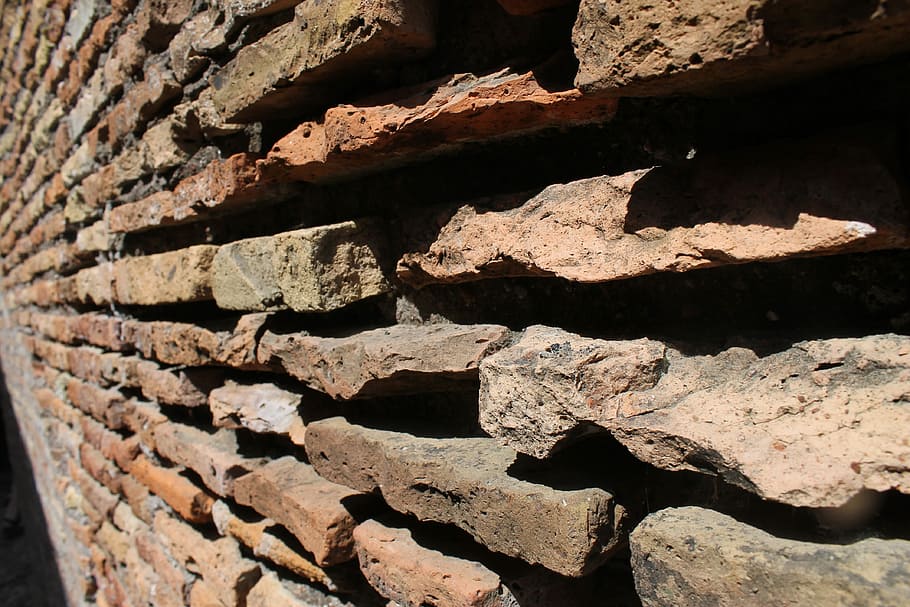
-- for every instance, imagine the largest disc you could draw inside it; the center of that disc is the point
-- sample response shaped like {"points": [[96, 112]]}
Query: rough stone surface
{"points": [[465, 482], [312, 508], [396, 360], [263, 408], [441, 117], [809, 198], [639, 48], [810, 425], [311, 270], [213, 456], [274, 591], [294, 66], [173, 277], [406, 573], [695, 557]]}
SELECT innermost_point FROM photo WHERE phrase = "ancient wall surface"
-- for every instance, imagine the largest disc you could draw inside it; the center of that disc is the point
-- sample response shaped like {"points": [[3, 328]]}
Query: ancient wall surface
{"points": [[448, 303]]}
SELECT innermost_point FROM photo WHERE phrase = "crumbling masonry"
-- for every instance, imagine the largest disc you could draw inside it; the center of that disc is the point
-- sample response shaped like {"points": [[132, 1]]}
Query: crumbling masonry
{"points": [[477, 303]]}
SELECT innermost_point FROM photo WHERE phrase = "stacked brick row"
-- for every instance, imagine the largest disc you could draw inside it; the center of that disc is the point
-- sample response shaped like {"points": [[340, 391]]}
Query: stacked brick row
{"points": [[327, 302]]}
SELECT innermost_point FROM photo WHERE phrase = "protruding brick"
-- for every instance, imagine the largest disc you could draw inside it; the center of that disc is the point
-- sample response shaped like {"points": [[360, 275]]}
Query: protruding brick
{"points": [[263, 408], [352, 140], [466, 482], [809, 425], [640, 48], [298, 66], [312, 508], [396, 360], [788, 200], [260, 537], [107, 406], [213, 457], [165, 278], [184, 387], [221, 185], [311, 270], [406, 573], [692, 557], [191, 502]]}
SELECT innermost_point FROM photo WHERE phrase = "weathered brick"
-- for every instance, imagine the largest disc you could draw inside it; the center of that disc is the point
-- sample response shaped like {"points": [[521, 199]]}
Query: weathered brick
{"points": [[152, 551], [102, 470], [311, 270], [263, 408], [716, 46], [184, 387], [395, 360], [274, 591], [466, 482], [191, 502], [817, 197], [107, 406], [690, 556], [213, 456], [760, 422], [219, 562], [292, 67], [352, 140], [406, 573], [173, 277], [292, 494]]}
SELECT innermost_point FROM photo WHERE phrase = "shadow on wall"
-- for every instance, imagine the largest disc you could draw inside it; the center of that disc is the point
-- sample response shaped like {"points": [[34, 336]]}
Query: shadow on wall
{"points": [[28, 570]]}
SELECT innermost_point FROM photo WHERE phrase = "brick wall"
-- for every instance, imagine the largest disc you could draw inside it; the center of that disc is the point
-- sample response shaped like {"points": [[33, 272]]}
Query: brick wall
{"points": [[423, 302]]}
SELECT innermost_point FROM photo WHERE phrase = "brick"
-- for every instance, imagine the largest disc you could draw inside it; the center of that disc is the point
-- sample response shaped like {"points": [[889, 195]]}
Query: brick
{"points": [[692, 556], [813, 197], [221, 185], [102, 470], [160, 20], [292, 494], [274, 591], [173, 277], [213, 456], [310, 270], [138, 497], [203, 595], [406, 573], [290, 68], [107, 406], [114, 542], [191, 345], [111, 445], [102, 500], [760, 422], [466, 482], [260, 537], [262, 408], [443, 115], [49, 401], [396, 360], [184, 387], [191, 502], [142, 417], [173, 581], [219, 562], [718, 47]]}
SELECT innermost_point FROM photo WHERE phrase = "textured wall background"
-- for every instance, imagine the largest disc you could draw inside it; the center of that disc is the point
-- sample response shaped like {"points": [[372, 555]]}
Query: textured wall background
{"points": [[422, 302]]}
